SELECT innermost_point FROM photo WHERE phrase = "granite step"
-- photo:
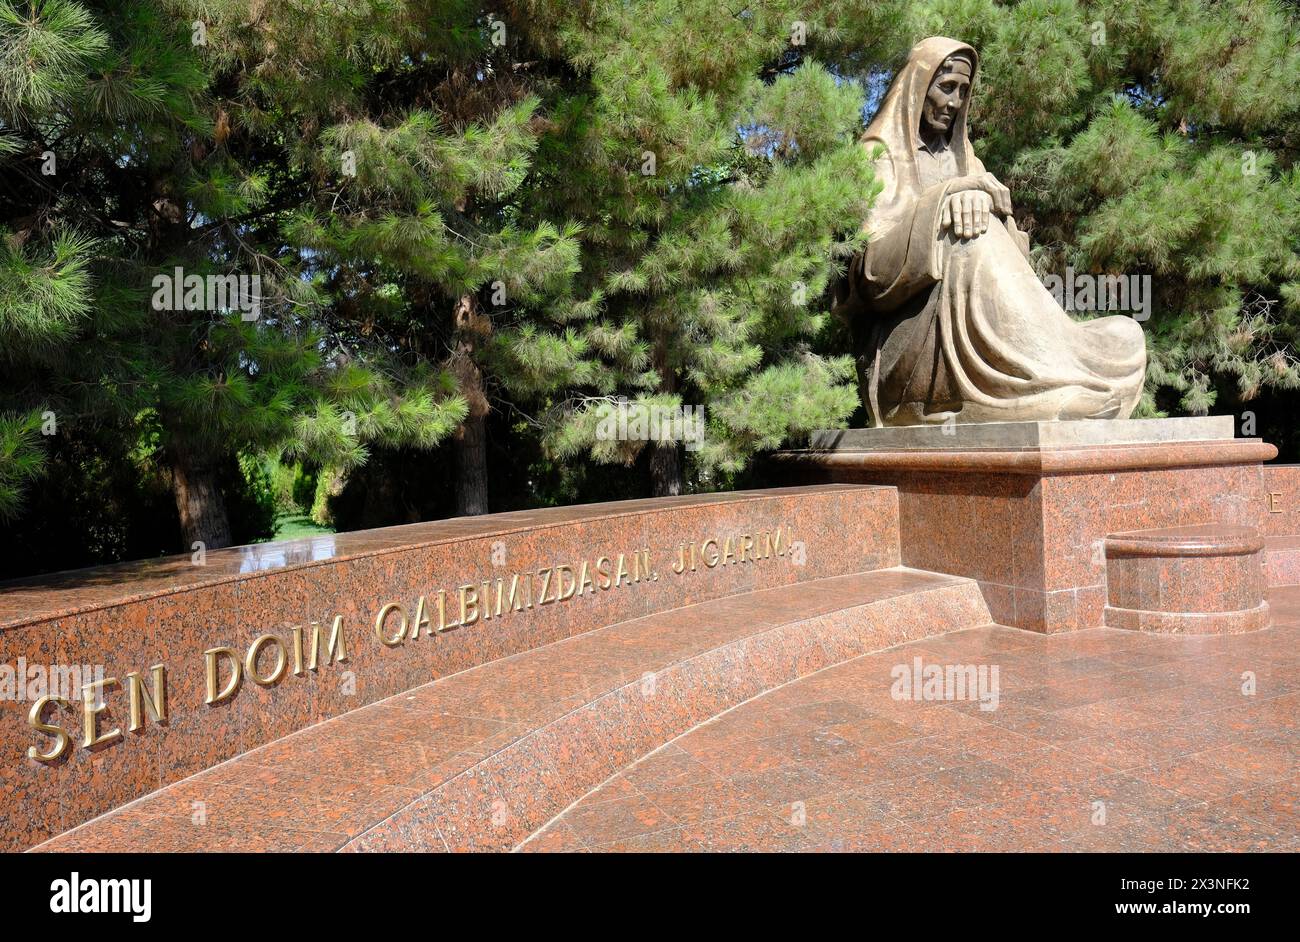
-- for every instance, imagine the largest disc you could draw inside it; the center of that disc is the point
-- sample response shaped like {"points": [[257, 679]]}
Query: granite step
{"points": [[481, 759]]}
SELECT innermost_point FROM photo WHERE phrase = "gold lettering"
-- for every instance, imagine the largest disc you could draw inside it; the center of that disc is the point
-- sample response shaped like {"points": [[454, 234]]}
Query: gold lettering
{"points": [[296, 631], [622, 571], [501, 583], [775, 543], [255, 650], [546, 581], [421, 620], [728, 552], [382, 617], [704, 553], [468, 604], [585, 580], [141, 699], [442, 612], [679, 567], [602, 572], [61, 738], [746, 547], [515, 600], [236, 673], [337, 648], [563, 593], [91, 707]]}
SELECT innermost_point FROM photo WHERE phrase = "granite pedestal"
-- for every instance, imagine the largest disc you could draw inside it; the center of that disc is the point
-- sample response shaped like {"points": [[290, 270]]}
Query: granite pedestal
{"points": [[1026, 508]]}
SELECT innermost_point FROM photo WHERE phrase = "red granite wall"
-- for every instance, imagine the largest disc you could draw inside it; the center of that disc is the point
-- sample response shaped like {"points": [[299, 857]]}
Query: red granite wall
{"points": [[127, 619], [1279, 503]]}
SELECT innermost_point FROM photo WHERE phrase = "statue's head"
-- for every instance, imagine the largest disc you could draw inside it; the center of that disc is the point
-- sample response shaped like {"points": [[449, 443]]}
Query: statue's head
{"points": [[947, 94]]}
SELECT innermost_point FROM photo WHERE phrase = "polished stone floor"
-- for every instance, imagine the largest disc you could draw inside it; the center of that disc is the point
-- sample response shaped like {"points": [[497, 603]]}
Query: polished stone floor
{"points": [[1101, 740]]}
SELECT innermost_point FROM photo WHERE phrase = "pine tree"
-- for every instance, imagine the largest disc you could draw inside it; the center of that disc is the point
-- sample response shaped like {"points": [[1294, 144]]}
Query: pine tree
{"points": [[423, 240], [143, 148], [718, 182]]}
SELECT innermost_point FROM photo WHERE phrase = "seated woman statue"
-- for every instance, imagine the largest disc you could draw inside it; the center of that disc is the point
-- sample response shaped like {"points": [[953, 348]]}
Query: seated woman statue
{"points": [[950, 320]]}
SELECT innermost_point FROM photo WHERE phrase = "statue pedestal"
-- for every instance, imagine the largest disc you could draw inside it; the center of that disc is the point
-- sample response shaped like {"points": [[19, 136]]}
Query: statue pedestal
{"points": [[1026, 509]]}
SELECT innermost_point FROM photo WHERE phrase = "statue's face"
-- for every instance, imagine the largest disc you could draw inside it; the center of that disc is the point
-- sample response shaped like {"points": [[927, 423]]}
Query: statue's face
{"points": [[947, 94]]}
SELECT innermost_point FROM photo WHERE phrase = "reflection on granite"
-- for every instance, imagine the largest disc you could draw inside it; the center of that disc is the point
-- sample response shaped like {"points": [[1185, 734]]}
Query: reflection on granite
{"points": [[48, 596], [288, 553]]}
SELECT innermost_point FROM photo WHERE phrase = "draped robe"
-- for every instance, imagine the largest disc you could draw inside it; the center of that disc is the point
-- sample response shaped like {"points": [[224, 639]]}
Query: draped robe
{"points": [[962, 329]]}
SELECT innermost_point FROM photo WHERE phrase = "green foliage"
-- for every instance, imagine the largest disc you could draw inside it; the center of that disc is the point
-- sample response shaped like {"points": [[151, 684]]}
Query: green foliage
{"points": [[44, 293], [329, 484], [21, 459], [44, 46], [522, 213], [100, 500], [716, 208], [252, 499], [141, 150]]}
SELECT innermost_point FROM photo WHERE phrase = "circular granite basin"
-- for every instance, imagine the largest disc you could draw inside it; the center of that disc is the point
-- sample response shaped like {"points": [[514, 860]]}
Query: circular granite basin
{"points": [[1202, 579]]}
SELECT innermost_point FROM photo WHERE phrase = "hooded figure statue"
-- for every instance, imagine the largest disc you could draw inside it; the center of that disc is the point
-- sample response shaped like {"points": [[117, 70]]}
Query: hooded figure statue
{"points": [[950, 320]]}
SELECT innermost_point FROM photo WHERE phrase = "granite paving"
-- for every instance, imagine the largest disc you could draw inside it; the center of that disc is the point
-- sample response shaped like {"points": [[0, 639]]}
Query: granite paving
{"points": [[1101, 740]]}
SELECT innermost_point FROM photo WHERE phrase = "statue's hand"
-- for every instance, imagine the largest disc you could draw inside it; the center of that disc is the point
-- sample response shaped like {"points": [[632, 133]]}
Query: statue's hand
{"points": [[966, 212], [1001, 195], [985, 183]]}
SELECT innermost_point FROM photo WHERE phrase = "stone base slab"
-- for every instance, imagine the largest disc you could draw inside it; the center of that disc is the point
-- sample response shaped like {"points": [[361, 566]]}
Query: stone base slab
{"points": [[1002, 435]]}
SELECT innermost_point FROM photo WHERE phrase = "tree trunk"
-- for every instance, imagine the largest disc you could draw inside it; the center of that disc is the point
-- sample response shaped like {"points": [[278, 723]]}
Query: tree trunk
{"points": [[199, 502], [665, 457], [471, 467], [665, 469], [470, 445]]}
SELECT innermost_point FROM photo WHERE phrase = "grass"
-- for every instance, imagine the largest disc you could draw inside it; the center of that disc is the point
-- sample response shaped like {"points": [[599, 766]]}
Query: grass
{"points": [[295, 526]]}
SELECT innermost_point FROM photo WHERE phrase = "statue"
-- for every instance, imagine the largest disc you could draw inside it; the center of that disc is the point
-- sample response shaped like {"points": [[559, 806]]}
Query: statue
{"points": [[950, 320]]}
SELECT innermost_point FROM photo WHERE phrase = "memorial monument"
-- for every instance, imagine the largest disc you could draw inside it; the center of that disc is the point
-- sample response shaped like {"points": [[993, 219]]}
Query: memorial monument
{"points": [[950, 320], [978, 385], [716, 671]]}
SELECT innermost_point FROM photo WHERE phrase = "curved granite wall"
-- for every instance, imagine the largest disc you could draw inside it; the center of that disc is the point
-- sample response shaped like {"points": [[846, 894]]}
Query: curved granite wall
{"points": [[407, 603]]}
